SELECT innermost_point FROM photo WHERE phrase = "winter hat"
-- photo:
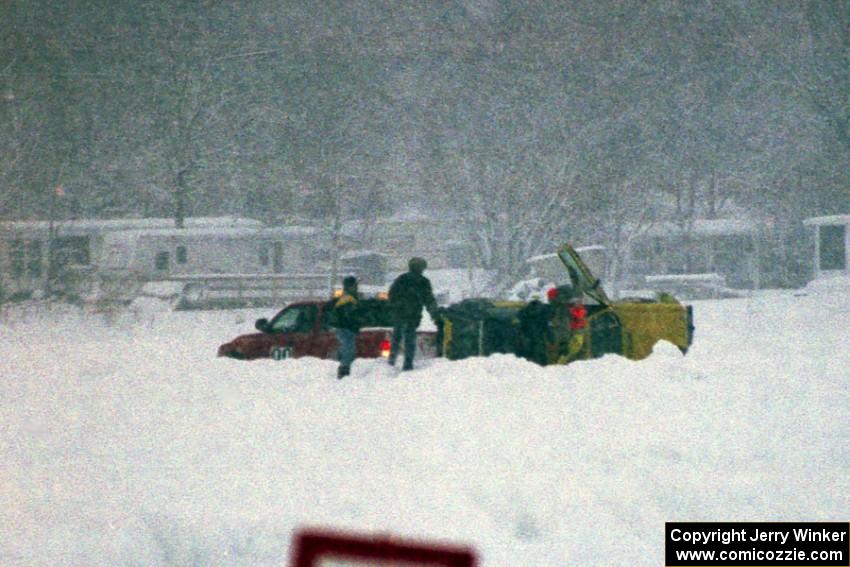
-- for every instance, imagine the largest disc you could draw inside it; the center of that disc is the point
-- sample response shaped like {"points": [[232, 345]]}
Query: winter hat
{"points": [[417, 265]]}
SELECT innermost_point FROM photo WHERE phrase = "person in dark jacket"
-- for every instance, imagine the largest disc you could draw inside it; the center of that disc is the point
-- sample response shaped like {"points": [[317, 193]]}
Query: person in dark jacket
{"points": [[409, 293], [346, 320]]}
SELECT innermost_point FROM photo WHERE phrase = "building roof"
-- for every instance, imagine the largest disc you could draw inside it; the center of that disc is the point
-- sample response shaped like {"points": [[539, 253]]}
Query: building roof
{"points": [[541, 258], [84, 226], [351, 254], [832, 219], [212, 231], [590, 248], [706, 227]]}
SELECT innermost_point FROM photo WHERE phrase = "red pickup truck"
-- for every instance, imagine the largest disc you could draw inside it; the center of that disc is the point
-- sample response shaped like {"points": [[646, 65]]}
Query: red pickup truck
{"points": [[301, 329]]}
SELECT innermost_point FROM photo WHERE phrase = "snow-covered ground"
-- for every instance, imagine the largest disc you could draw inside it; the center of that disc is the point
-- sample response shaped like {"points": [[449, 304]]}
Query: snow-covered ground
{"points": [[126, 442]]}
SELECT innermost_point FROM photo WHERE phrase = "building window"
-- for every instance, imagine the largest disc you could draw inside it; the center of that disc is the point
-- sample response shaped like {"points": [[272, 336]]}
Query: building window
{"points": [[833, 255], [161, 261], [16, 258], [264, 254], [182, 255], [277, 257], [34, 259], [71, 250]]}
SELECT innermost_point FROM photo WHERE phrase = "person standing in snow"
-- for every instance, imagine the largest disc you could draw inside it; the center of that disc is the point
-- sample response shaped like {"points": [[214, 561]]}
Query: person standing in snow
{"points": [[409, 293], [345, 318]]}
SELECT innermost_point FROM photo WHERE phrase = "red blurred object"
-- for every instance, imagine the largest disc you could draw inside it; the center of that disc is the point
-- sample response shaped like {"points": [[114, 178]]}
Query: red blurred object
{"points": [[312, 547], [578, 314], [60, 191], [552, 294], [385, 348]]}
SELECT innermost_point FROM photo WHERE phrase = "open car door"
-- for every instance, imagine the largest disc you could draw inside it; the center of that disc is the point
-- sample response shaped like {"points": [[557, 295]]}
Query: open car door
{"points": [[582, 279]]}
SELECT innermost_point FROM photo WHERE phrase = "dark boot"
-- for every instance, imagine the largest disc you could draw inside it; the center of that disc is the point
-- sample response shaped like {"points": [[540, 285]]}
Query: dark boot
{"points": [[343, 371], [408, 362]]}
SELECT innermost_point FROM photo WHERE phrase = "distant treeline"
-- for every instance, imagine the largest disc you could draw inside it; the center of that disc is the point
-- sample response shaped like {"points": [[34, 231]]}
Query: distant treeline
{"points": [[535, 121]]}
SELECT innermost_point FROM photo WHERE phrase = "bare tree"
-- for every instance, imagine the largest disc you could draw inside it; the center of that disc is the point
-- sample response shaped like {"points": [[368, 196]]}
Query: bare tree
{"points": [[20, 138], [512, 209], [175, 132], [825, 81]]}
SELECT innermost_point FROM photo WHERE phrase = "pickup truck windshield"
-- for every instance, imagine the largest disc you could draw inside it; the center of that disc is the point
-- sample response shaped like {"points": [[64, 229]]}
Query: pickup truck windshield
{"points": [[295, 319]]}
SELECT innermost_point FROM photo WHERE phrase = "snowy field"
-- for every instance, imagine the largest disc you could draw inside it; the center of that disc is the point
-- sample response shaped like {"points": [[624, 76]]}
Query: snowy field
{"points": [[126, 442]]}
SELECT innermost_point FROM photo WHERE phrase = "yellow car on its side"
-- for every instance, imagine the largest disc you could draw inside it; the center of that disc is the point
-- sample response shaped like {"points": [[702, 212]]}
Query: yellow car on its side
{"points": [[578, 322]]}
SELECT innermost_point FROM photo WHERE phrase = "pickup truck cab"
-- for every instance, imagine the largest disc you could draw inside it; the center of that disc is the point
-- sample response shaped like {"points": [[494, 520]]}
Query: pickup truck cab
{"points": [[302, 329]]}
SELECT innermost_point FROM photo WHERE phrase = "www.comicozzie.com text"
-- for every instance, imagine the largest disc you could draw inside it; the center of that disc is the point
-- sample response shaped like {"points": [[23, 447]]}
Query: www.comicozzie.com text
{"points": [[758, 555]]}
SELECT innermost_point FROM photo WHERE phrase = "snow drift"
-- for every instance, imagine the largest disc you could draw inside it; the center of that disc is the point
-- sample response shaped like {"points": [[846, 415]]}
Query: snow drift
{"points": [[127, 442]]}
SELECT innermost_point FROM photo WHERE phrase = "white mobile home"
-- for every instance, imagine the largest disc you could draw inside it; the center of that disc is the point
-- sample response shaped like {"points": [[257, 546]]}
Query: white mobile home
{"points": [[727, 247], [832, 245], [160, 253], [74, 256], [410, 233]]}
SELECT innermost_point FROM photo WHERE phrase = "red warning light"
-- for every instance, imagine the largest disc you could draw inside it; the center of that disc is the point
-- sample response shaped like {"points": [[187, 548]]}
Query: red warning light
{"points": [[578, 317]]}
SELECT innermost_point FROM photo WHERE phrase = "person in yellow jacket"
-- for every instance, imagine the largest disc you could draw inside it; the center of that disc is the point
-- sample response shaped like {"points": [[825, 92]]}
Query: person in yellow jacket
{"points": [[346, 320]]}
